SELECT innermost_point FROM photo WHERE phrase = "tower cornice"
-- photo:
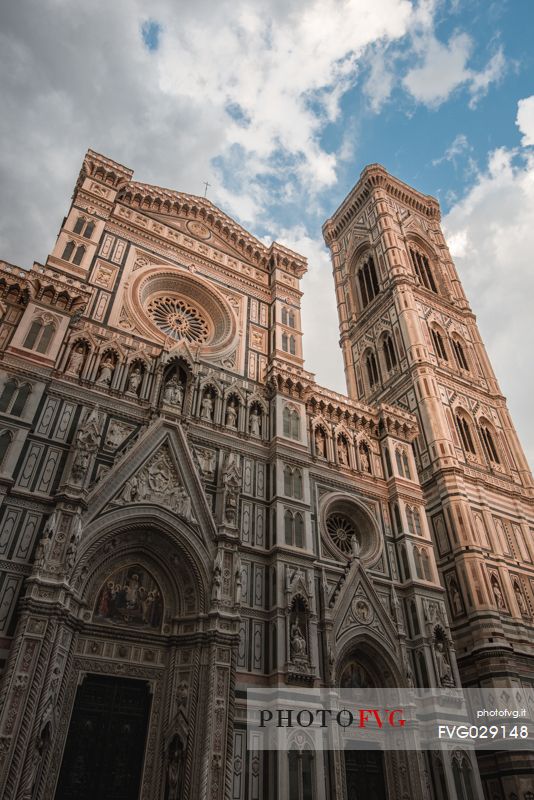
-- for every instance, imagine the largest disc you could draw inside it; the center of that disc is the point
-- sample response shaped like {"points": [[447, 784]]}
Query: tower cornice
{"points": [[374, 177]]}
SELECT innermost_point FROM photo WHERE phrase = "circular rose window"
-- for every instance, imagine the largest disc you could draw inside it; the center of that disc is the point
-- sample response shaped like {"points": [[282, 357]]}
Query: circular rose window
{"points": [[176, 305], [349, 528], [341, 530], [178, 319]]}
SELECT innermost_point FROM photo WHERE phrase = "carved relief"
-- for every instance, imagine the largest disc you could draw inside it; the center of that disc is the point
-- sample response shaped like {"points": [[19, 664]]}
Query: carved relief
{"points": [[158, 482]]}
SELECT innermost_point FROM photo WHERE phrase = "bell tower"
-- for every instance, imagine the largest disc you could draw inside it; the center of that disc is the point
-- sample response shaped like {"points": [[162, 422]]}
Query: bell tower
{"points": [[409, 337]]}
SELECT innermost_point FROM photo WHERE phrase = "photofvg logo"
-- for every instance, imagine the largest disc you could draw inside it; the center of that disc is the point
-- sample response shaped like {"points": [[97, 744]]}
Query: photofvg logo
{"points": [[388, 719], [324, 717]]}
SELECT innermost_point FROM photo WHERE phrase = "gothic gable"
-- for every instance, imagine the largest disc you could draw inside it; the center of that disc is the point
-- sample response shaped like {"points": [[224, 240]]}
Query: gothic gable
{"points": [[358, 608], [159, 470]]}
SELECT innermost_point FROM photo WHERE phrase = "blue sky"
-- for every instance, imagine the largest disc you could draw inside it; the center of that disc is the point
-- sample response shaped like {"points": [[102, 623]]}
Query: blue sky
{"points": [[279, 104]]}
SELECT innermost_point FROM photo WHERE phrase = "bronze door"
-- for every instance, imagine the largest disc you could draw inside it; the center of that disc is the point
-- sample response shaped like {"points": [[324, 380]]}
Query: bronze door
{"points": [[364, 771], [105, 746]]}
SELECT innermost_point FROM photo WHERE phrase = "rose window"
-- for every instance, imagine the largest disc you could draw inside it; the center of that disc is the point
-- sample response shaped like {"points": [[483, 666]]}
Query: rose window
{"points": [[341, 530], [178, 319]]}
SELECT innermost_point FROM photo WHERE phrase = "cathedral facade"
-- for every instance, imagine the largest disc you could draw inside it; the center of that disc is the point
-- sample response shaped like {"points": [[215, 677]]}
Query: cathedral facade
{"points": [[185, 513]]}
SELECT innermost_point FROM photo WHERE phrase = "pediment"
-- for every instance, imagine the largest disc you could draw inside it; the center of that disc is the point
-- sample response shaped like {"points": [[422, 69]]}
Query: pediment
{"points": [[358, 608], [197, 231], [159, 470]]}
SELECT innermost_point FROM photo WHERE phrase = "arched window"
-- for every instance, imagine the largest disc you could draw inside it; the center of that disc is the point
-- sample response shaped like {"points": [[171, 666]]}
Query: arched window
{"points": [[288, 527], [293, 482], [39, 336], [89, 229], [68, 251], [464, 431], [291, 422], [459, 354], [418, 563], [439, 346], [368, 282], [397, 516], [288, 481], [293, 529], [78, 227], [7, 395], [403, 464], [489, 444], [14, 397], [372, 369], [6, 437], [78, 256], [410, 519], [387, 457], [390, 355], [285, 341], [297, 483], [417, 520], [284, 316], [463, 777], [46, 337], [20, 401], [33, 333], [291, 319], [292, 345], [414, 617], [405, 564], [423, 270], [425, 560], [300, 763], [299, 530]]}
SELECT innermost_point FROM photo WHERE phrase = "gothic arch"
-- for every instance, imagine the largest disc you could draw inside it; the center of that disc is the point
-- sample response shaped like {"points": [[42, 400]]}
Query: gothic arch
{"points": [[368, 650], [156, 537]]}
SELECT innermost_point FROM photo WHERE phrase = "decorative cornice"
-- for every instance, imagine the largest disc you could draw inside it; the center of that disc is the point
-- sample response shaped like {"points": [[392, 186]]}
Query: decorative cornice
{"points": [[374, 177]]}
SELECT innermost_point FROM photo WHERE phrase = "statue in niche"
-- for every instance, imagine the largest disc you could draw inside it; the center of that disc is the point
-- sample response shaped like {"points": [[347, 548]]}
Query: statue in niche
{"points": [[175, 758], [43, 548], [77, 357], [255, 421], [206, 411], [443, 666], [456, 600], [231, 414], [182, 693], [364, 458], [298, 646], [497, 593], [216, 589], [106, 372], [355, 546], [342, 452], [238, 580], [520, 600], [298, 642], [232, 482], [173, 393], [87, 441], [320, 442], [134, 381]]}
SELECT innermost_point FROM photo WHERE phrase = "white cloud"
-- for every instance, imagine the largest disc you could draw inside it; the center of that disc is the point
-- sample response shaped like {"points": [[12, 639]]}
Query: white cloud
{"points": [[237, 92], [525, 120], [458, 147], [444, 68], [491, 237]]}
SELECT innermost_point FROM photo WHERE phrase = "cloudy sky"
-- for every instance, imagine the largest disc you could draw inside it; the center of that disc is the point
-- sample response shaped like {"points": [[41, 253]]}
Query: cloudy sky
{"points": [[279, 104]]}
